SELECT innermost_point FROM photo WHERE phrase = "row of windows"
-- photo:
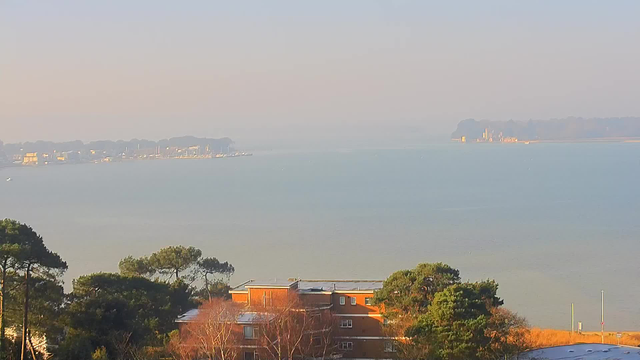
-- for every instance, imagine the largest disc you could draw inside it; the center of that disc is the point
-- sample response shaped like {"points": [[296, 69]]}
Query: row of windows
{"points": [[348, 323], [251, 332], [389, 346], [367, 300]]}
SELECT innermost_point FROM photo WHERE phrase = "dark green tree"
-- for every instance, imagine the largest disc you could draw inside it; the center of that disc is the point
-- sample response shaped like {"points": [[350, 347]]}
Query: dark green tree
{"points": [[10, 231], [174, 260], [211, 267], [34, 257], [408, 292], [455, 325], [131, 266], [444, 319], [123, 314]]}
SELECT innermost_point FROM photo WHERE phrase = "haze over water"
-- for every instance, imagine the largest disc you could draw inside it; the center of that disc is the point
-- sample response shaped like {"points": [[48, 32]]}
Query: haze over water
{"points": [[552, 223]]}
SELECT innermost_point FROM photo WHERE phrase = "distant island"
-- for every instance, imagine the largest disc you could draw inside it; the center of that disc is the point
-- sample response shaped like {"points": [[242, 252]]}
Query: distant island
{"points": [[74, 152], [567, 129]]}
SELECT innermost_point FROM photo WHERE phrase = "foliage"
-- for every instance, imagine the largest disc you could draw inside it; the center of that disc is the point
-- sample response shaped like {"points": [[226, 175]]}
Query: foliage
{"points": [[212, 266], [441, 318], [23, 252], [508, 334], [46, 305], [131, 266], [454, 324], [100, 354], [216, 289], [173, 260], [411, 291], [124, 313]]}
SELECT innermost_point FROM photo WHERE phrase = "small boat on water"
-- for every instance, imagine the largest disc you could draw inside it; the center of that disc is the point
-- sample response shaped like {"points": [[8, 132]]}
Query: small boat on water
{"points": [[9, 179]]}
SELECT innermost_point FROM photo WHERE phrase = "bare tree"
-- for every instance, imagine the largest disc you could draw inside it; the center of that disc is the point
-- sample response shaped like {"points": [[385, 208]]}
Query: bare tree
{"points": [[294, 330], [214, 333]]}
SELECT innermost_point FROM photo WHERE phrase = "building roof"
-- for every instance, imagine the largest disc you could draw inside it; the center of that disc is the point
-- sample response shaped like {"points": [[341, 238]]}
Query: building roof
{"points": [[276, 283], [340, 285], [583, 352], [242, 318], [307, 286]]}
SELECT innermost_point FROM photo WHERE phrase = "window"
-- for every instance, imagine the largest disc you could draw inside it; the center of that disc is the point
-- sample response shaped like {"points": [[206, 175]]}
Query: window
{"points": [[353, 301], [368, 301], [346, 345], [250, 332], [389, 346], [343, 300], [250, 355], [347, 323], [385, 321], [316, 341]]}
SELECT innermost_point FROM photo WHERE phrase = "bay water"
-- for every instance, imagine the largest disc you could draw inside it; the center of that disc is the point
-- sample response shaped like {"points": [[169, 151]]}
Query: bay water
{"points": [[552, 223]]}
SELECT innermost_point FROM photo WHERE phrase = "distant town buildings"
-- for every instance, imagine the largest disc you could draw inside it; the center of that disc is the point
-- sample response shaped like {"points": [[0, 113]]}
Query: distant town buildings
{"points": [[30, 159], [48, 153], [489, 136]]}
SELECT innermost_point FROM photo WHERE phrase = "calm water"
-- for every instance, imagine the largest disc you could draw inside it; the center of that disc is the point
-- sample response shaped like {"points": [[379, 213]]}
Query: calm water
{"points": [[552, 223]]}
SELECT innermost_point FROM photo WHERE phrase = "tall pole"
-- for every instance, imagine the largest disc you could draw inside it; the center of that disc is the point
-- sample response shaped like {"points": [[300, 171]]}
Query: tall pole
{"points": [[572, 322], [602, 317]]}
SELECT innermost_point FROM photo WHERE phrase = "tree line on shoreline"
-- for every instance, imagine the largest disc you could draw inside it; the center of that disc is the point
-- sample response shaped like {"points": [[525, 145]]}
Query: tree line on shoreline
{"points": [[119, 146], [106, 316], [132, 314]]}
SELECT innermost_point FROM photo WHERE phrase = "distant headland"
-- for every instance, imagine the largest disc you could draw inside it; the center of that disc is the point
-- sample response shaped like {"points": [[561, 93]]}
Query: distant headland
{"points": [[571, 129], [73, 152]]}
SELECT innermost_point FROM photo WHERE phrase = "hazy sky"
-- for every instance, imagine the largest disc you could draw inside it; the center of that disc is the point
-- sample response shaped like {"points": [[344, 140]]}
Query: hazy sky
{"points": [[261, 71]]}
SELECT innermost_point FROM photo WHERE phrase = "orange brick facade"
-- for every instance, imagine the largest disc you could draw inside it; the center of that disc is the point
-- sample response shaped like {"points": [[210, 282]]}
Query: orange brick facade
{"points": [[358, 324]]}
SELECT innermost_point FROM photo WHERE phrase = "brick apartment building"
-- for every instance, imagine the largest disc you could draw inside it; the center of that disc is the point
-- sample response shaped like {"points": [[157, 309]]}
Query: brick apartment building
{"points": [[357, 324]]}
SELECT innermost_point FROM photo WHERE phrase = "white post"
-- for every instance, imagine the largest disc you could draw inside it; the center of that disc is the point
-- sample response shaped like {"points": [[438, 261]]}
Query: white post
{"points": [[602, 318]]}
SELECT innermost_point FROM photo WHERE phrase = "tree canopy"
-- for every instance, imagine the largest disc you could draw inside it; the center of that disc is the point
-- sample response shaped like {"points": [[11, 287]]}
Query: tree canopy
{"points": [[23, 252], [445, 319], [131, 266], [411, 291], [173, 260], [123, 313]]}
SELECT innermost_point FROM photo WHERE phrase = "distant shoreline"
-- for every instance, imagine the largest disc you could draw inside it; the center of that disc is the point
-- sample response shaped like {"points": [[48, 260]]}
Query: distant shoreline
{"points": [[571, 129], [561, 141]]}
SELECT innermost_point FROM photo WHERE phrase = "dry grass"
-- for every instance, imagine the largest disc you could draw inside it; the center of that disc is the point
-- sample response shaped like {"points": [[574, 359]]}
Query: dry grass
{"points": [[538, 338]]}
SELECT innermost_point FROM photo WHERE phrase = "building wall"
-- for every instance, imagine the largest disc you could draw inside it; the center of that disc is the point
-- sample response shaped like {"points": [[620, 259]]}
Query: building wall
{"points": [[240, 297], [358, 308], [367, 349], [361, 326], [316, 298], [259, 297], [366, 331]]}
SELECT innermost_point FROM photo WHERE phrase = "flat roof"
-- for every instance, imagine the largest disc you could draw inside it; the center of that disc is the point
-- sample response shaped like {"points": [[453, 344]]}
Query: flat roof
{"points": [[276, 283], [242, 318], [584, 352], [340, 285], [311, 285]]}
